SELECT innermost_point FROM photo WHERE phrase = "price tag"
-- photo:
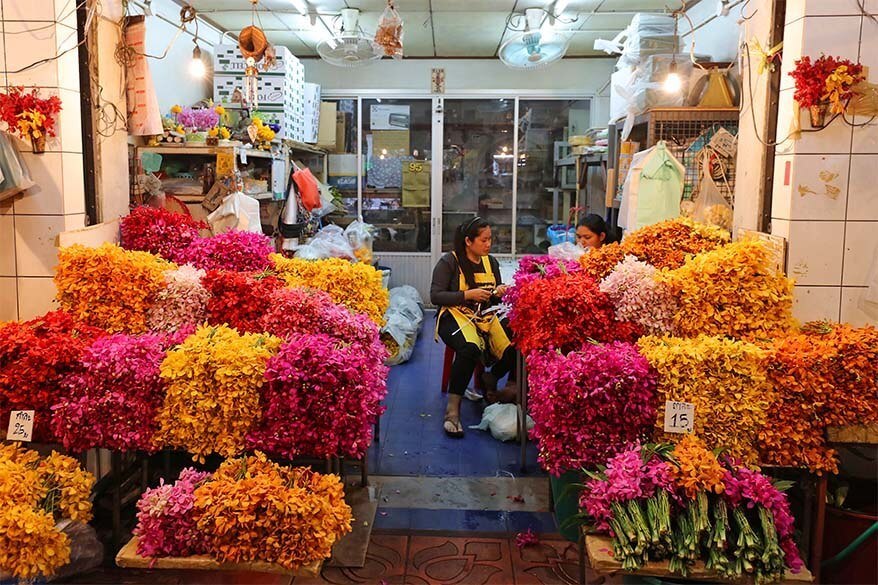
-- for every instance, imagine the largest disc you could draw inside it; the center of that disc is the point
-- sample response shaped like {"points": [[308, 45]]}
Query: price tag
{"points": [[225, 164], [21, 425], [679, 417]]}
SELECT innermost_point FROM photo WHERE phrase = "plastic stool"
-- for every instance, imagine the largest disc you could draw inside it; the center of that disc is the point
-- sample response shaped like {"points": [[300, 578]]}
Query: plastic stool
{"points": [[446, 371]]}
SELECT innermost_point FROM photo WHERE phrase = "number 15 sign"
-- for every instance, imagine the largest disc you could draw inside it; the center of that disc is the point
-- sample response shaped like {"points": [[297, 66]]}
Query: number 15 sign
{"points": [[679, 417], [21, 425]]}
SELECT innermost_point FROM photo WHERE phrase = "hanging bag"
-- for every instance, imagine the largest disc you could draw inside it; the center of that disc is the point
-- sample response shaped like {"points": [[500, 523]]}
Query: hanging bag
{"points": [[306, 185], [388, 36]]}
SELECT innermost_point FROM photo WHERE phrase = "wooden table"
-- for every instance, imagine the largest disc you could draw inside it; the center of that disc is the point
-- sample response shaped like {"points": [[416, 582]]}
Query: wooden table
{"points": [[129, 559]]}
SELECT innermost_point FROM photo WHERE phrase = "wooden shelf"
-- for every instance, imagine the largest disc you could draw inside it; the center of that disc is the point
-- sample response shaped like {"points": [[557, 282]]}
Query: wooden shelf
{"points": [[853, 435], [600, 557], [297, 146], [206, 150], [129, 559]]}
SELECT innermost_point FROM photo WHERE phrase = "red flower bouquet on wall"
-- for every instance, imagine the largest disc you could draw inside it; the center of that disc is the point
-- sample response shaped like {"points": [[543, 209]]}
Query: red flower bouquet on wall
{"points": [[825, 83], [29, 115]]}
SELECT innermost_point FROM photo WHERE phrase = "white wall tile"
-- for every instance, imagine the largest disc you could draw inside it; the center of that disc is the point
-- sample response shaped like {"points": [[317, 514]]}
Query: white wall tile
{"points": [[6, 206], [838, 36], [815, 253], [29, 10], [833, 139], [793, 33], [869, 47], [25, 42], [35, 243], [781, 227], [7, 245], [860, 251], [863, 188], [36, 296], [855, 310], [67, 64], [866, 136], [8, 299], [47, 196], [815, 187], [782, 189], [816, 303], [68, 126], [828, 7], [65, 11]]}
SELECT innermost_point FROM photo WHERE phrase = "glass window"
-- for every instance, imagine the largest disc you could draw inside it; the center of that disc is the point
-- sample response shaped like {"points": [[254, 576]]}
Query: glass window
{"points": [[546, 171], [343, 158], [477, 166], [396, 181]]}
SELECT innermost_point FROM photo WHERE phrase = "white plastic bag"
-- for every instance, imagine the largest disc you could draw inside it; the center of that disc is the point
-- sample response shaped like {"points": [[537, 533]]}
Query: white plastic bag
{"points": [[359, 236], [710, 206], [502, 421], [236, 212], [403, 322], [329, 242], [566, 251]]}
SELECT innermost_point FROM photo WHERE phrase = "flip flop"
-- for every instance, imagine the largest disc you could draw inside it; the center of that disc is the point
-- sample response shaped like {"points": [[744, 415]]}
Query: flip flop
{"points": [[452, 427]]}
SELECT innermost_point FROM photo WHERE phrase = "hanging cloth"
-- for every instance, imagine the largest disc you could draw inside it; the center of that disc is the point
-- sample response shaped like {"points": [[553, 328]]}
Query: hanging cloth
{"points": [[144, 118], [660, 189], [628, 207]]}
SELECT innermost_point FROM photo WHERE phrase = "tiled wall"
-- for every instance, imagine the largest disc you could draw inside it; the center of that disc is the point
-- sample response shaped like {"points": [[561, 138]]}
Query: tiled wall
{"points": [[825, 199], [34, 30]]}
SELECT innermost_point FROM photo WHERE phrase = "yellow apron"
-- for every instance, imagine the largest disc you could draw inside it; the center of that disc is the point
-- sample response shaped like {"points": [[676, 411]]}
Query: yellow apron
{"points": [[477, 329]]}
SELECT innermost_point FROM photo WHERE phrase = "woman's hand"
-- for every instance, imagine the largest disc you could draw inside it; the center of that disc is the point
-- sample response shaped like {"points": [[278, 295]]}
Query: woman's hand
{"points": [[479, 295], [501, 290]]}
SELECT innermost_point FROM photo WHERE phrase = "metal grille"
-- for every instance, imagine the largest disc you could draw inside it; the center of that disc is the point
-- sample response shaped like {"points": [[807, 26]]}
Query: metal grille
{"points": [[685, 130]]}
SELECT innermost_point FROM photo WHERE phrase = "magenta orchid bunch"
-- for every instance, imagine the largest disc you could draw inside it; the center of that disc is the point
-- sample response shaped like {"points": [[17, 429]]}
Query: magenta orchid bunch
{"points": [[166, 524], [201, 119], [322, 398], [531, 268], [232, 250], [589, 404]]}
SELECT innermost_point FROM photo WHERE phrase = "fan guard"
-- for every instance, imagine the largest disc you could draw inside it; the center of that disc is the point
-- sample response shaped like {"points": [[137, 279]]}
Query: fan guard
{"points": [[350, 47]]}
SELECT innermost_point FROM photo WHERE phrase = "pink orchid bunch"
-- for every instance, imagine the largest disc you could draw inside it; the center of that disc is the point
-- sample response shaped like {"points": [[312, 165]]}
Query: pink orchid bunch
{"points": [[589, 404], [744, 486], [531, 268], [182, 302], [159, 231], [321, 398], [638, 297], [232, 250], [198, 118], [239, 299], [166, 523], [113, 402], [305, 310]]}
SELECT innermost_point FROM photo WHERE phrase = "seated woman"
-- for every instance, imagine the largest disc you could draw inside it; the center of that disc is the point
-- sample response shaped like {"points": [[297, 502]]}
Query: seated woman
{"points": [[465, 283], [593, 232]]}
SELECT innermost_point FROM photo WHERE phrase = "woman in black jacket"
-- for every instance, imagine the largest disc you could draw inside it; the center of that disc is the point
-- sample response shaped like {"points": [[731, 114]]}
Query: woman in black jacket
{"points": [[466, 282]]}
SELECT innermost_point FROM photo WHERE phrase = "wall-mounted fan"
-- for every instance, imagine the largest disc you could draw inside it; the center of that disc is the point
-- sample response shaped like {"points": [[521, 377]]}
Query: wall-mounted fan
{"points": [[350, 47], [532, 49]]}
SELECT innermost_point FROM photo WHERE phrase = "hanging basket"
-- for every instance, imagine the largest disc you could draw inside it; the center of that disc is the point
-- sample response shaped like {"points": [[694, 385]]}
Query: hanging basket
{"points": [[38, 143], [818, 115], [252, 42]]}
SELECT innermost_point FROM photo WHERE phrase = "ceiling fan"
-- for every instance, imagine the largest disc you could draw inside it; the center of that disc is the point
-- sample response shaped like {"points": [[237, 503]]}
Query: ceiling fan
{"points": [[350, 46], [531, 49]]}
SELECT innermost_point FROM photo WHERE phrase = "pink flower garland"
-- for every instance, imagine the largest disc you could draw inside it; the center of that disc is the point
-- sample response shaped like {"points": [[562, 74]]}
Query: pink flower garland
{"points": [[165, 520], [322, 398], [638, 297], [588, 404], [182, 302], [233, 250]]}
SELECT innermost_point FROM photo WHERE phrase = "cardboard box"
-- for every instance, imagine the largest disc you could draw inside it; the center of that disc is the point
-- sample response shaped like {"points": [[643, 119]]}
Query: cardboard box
{"points": [[326, 128], [339, 131]]}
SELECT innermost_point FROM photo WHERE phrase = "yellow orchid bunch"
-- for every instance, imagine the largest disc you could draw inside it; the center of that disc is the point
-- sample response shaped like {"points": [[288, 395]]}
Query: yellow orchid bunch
{"points": [[109, 287], [68, 487], [357, 286], [212, 396], [732, 291], [30, 545], [176, 109], [838, 87], [726, 380], [31, 123]]}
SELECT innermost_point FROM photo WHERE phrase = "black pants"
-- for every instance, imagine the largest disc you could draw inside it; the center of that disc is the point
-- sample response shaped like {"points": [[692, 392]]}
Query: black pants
{"points": [[467, 355]]}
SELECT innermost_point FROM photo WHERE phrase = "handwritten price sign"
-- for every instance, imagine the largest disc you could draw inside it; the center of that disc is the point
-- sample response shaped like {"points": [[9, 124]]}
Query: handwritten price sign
{"points": [[679, 417], [21, 425]]}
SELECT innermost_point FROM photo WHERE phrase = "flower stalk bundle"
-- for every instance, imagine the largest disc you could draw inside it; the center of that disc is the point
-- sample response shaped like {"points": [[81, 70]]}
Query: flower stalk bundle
{"points": [[34, 493], [354, 285], [212, 399], [109, 287], [725, 379], [587, 404], [681, 504]]}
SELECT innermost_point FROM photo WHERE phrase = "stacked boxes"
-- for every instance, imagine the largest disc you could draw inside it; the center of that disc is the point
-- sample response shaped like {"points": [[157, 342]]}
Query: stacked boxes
{"points": [[281, 90]]}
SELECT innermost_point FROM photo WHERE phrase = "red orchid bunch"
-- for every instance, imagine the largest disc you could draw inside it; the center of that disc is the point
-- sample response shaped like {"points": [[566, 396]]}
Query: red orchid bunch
{"points": [[159, 231], [36, 357], [239, 299], [563, 312], [810, 78], [17, 102], [322, 398]]}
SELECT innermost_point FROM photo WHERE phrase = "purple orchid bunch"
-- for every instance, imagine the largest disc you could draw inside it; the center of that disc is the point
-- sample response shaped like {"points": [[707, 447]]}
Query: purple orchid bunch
{"points": [[166, 524], [200, 119]]}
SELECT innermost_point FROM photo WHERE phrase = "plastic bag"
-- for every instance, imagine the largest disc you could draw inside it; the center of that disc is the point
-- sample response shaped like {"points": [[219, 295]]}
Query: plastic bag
{"points": [[560, 233], [403, 322], [502, 421], [566, 251], [236, 212], [328, 243], [14, 174], [86, 551], [710, 206], [359, 235], [306, 185], [388, 35], [644, 88]]}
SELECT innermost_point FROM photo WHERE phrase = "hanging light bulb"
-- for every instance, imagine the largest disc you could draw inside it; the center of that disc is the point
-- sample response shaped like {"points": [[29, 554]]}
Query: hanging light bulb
{"points": [[673, 83], [196, 65]]}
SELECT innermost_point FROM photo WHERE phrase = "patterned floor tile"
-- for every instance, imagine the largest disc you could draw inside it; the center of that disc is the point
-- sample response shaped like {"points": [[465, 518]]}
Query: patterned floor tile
{"points": [[385, 563], [470, 561]]}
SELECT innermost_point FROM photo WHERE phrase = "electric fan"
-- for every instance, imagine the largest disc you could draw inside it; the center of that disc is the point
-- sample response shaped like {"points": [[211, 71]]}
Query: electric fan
{"points": [[532, 49], [350, 47]]}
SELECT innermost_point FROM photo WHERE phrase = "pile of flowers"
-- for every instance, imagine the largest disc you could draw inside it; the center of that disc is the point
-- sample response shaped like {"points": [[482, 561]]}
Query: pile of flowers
{"points": [[181, 303], [562, 312], [36, 358], [239, 299], [682, 504], [638, 297], [159, 231], [199, 119], [824, 375], [322, 398], [228, 514], [109, 287], [725, 379], [212, 399], [589, 403], [34, 494], [826, 79], [732, 291], [356, 286], [112, 402], [232, 250], [28, 114]]}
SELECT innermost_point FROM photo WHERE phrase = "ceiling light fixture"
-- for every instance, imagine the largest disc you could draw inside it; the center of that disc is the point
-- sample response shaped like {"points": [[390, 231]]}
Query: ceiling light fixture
{"points": [[196, 65], [673, 83]]}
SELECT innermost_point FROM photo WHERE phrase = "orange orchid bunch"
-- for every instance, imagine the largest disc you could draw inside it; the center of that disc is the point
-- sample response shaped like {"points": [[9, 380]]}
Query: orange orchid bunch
{"points": [[695, 468]]}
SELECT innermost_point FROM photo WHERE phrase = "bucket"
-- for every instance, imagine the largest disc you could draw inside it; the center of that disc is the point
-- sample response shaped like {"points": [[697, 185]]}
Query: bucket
{"points": [[566, 503], [841, 528]]}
